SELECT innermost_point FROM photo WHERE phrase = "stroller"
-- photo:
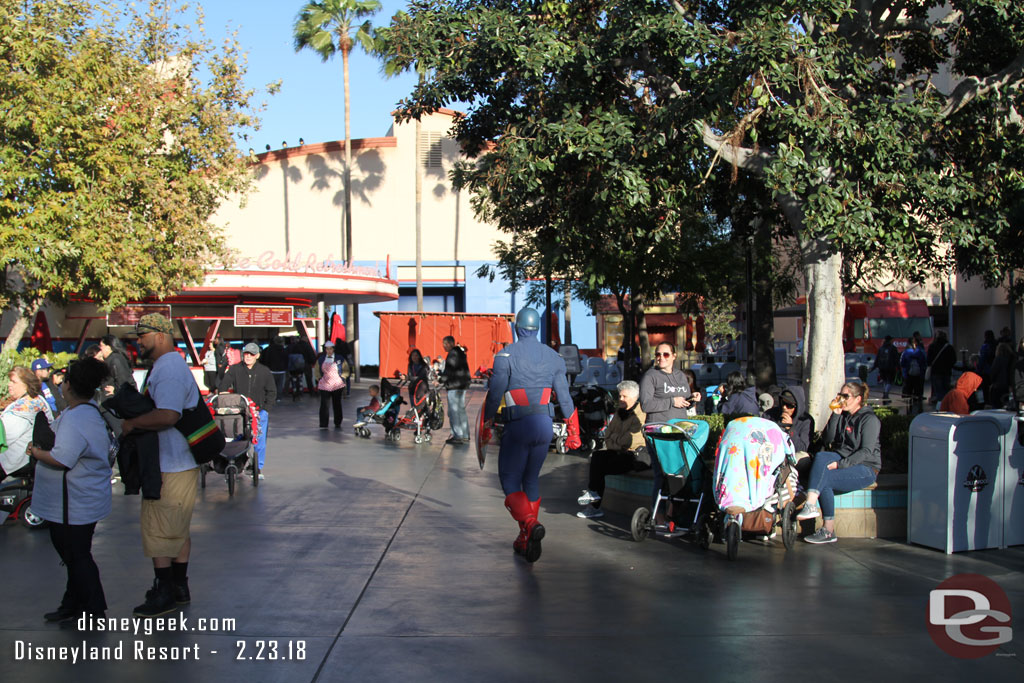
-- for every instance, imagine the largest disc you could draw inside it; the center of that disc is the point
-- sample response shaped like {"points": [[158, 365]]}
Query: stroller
{"points": [[593, 406], [16, 498], [427, 410], [235, 415], [754, 483], [677, 445], [386, 415]]}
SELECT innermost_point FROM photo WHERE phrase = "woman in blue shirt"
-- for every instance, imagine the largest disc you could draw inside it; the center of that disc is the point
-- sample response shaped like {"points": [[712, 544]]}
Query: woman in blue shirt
{"points": [[72, 490]]}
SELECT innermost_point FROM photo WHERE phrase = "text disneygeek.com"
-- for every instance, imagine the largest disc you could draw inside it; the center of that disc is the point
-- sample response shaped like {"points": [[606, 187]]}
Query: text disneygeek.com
{"points": [[140, 650]]}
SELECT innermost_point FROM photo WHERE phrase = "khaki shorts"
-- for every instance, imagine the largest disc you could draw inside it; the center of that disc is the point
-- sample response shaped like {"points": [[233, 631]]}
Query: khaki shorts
{"points": [[165, 522]]}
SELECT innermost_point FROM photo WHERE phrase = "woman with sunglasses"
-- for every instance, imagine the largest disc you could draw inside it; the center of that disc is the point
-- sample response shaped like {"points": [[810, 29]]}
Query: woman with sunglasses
{"points": [[664, 395], [851, 461]]}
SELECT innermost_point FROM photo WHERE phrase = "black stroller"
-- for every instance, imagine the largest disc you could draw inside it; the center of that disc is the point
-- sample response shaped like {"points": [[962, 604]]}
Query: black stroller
{"points": [[233, 414], [593, 406]]}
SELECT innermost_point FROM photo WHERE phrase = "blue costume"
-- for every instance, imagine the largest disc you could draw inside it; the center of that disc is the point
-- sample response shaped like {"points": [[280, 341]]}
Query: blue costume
{"points": [[525, 373]]}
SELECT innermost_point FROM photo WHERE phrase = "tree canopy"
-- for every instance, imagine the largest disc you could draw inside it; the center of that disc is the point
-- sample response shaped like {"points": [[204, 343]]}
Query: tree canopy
{"points": [[113, 153], [885, 133]]}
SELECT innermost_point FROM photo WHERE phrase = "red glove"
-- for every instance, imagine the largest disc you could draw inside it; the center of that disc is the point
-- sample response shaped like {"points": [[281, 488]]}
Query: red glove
{"points": [[573, 427]]}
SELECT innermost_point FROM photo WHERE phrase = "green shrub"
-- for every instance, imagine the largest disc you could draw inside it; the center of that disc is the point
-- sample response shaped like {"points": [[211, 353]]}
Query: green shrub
{"points": [[24, 358]]}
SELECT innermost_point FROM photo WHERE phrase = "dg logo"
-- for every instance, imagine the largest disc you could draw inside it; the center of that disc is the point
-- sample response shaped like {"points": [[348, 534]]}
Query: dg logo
{"points": [[969, 616]]}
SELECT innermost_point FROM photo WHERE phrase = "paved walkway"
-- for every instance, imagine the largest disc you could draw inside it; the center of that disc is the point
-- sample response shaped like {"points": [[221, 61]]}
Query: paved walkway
{"points": [[369, 561]]}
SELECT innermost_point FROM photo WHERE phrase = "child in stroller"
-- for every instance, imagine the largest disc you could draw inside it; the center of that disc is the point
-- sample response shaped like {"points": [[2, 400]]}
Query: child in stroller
{"points": [[386, 412], [237, 417]]}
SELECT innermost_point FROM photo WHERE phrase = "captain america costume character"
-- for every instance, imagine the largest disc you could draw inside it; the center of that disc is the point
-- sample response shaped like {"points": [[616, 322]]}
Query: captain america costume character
{"points": [[525, 373]]}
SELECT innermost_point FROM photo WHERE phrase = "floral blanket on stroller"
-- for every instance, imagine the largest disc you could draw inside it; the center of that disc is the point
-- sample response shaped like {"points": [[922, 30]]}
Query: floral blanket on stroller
{"points": [[749, 452]]}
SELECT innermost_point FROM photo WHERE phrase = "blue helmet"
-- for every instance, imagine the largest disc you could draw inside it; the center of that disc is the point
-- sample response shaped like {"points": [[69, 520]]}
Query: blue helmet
{"points": [[528, 320]]}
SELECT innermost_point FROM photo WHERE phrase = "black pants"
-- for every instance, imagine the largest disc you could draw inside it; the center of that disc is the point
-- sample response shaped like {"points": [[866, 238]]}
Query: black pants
{"points": [[210, 379], [334, 399], [84, 592], [603, 463]]}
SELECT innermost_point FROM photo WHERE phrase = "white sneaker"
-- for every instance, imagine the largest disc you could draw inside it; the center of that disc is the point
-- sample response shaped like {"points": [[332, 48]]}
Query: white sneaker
{"points": [[588, 497], [590, 513]]}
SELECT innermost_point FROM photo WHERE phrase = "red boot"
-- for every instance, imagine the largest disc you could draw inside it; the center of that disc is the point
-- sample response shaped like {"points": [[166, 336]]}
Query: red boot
{"points": [[518, 506], [534, 531]]}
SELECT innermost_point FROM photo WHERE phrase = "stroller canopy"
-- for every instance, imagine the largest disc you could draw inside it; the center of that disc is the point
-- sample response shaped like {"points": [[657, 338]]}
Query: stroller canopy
{"points": [[749, 453]]}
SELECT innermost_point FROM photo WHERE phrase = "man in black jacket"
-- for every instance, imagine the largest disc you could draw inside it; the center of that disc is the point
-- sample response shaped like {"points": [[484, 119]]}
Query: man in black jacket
{"points": [[456, 379], [254, 381], [941, 358]]}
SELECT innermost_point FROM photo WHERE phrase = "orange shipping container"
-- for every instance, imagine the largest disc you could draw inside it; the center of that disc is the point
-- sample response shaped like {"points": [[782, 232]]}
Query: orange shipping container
{"points": [[483, 335]]}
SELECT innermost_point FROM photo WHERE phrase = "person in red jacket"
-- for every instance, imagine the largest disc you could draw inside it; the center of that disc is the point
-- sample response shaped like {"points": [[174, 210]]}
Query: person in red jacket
{"points": [[961, 399]]}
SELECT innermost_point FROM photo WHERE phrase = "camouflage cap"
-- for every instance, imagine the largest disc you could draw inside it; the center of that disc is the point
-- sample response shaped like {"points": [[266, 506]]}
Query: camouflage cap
{"points": [[154, 322]]}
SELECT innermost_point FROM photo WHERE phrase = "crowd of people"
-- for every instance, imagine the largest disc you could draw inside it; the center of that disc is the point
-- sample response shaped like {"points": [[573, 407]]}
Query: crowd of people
{"points": [[73, 472]]}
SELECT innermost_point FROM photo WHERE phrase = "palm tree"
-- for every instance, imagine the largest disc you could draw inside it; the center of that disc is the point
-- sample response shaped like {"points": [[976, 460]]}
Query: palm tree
{"points": [[326, 27]]}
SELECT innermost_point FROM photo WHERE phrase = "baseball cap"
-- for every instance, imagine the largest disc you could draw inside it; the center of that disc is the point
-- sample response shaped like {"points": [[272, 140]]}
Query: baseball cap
{"points": [[40, 363], [252, 348], [154, 322], [328, 343]]}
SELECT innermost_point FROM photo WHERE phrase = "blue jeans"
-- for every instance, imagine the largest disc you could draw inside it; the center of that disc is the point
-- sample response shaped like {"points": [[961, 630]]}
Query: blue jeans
{"points": [[824, 481], [524, 446], [261, 442], [457, 413]]}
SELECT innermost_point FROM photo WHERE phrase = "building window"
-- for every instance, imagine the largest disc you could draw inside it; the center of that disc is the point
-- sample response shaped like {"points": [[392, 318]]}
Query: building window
{"points": [[429, 152]]}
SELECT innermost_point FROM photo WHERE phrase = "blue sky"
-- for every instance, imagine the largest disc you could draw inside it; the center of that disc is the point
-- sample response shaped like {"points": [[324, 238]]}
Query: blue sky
{"points": [[310, 103]]}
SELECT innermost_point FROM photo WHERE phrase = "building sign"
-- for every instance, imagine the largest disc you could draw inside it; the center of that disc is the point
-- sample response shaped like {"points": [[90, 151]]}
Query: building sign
{"points": [[264, 316], [299, 262], [129, 315]]}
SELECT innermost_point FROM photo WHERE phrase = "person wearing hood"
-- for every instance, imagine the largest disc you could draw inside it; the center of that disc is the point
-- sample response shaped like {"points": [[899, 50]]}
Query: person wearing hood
{"points": [[850, 462], [624, 449], [739, 399], [790, 413], [961, 399], [525, 374]]}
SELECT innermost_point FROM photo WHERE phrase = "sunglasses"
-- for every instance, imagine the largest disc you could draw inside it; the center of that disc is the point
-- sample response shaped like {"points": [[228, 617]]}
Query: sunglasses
{"points": [[663, 354], [845, 397], [787, 404]]}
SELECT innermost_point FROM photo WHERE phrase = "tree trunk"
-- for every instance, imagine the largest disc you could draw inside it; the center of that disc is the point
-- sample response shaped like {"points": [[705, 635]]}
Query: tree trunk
{"points": [[764, 337], [641, 328], [629, 370], [22, 319], [352, 310], [823, 348]]}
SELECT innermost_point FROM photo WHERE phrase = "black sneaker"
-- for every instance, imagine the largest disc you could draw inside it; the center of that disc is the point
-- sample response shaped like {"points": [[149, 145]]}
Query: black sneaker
{"points": [[159, 600], [60, 614], [181, 594]]}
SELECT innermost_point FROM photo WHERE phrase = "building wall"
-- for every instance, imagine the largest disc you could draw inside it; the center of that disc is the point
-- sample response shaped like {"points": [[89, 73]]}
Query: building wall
{"points": [[297, 206]]}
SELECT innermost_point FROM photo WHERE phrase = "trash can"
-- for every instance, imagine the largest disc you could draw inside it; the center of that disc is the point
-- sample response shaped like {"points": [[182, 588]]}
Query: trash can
{"points": [[1012, 476], [954, 496]]}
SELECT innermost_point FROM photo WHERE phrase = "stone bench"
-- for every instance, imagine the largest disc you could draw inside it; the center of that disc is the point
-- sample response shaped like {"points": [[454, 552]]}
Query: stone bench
{"points": [[877, 511]]}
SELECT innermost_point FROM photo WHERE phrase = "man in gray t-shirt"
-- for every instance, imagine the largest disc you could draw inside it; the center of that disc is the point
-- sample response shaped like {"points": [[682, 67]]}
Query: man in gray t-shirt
{"points": [[166, 521]]}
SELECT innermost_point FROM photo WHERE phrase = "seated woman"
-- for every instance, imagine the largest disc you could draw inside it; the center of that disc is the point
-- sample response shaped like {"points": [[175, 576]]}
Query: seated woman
{"points": [[851, 460], [791, 415], [19, 418], [737, 398], [623, 452]]}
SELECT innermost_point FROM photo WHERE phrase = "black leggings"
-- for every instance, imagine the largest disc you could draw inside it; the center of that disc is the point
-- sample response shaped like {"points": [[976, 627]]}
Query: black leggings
{"points": [[84, 592], [603, 463], [328, 400]]}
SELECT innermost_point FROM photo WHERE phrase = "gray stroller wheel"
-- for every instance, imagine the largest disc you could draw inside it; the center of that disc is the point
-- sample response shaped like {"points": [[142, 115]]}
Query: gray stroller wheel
{"points": [[640, 526], [789, 525], [732, 539]]}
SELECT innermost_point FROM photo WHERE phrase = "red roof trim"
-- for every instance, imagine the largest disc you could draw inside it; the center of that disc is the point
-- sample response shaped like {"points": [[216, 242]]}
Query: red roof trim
{"points": [[325, 148]]}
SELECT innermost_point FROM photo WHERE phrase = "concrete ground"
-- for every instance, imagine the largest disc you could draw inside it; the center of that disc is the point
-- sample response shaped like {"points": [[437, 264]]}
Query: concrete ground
{"points": [[361, 560]]}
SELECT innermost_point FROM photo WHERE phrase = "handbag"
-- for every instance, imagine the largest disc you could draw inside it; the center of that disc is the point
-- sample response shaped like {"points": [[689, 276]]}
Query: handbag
{"points": [[205, 439]]}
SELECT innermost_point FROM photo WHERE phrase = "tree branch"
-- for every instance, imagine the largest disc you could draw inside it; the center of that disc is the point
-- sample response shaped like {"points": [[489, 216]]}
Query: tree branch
{"points": [[972, 87], [743, 157]]}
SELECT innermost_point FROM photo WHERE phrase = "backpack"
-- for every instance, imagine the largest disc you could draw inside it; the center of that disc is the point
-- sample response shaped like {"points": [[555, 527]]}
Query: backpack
{"points": [[115, 443], [914, 370], [296, 362]]}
